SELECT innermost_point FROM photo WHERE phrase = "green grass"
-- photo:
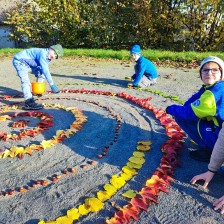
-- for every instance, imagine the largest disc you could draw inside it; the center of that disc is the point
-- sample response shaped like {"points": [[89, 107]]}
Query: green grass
{"points": [[154, 55]]}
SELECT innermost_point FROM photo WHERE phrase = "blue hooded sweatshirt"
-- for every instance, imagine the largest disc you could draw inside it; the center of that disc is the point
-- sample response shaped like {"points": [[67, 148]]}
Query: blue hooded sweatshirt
{"points": [[36, 57], [145, 67]]}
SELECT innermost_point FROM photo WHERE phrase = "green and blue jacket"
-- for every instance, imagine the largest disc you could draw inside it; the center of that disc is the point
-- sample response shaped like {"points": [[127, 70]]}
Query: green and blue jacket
{"points": [[207, 105]]}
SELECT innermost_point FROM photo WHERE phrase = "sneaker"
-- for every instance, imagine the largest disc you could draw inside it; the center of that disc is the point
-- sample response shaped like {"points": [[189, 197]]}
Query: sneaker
{"points": [[201, 155], [31, 105]]}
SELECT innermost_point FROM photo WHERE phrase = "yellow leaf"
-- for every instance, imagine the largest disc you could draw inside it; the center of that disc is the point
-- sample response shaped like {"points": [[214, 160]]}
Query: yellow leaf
{"points": [[57, 105], [48, 222], [129, 194], [71, 108], [117, 182], [94, 204], [103, 195], [111, 190], [144, 143], [46, 144], [111, 221], [68, 133], [4, 118], [134, 165], [41, 222], [83, 210], [6, 109], [73, 214], [129, 170], [8, 136], [128, 78], [126, 176], [151, 181], [28, 150], [13, 149], [137, 160], [35, 147], [64, 220], [143, 147], [59, 132], [19, 150], [138, 154], [47, 105], [8, 153]]}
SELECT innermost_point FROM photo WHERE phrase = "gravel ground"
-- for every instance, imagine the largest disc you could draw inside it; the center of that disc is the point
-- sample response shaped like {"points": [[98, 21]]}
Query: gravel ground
{"points": [[183, 204]]}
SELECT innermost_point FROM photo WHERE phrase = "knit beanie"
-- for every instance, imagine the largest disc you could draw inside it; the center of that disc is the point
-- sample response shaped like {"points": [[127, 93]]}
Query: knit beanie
{"points": [[58, 49], [135, 49], [217, 60]]}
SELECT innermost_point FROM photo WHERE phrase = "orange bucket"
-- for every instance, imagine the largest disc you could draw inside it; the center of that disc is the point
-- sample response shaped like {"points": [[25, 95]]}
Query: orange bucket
{"points": [[38, 87]]}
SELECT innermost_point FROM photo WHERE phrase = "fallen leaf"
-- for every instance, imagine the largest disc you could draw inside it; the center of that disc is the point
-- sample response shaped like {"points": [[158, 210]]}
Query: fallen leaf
{"points": [[134, 165], [93, 204], [129, 194], [144, 142], [103, 195], [143, 147], [64, 220], [137, 160], [83, 210], [73, 214], [138, 154], [139, 203], [117, 182]]}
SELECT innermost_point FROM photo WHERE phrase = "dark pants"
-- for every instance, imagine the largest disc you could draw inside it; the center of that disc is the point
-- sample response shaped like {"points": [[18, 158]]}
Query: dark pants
{"points": [[208, 134]]}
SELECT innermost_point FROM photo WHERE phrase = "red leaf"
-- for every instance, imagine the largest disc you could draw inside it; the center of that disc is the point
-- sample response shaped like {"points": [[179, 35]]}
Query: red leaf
{"points": [[149, 190], [120, 217], [149, 196], [131, 212], [20, 155], [138, 202]]}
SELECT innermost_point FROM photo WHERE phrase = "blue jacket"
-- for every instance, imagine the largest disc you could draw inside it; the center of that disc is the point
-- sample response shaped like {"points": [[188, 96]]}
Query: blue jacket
{"points": [[145, 67], [207, 104], [36, 57]]}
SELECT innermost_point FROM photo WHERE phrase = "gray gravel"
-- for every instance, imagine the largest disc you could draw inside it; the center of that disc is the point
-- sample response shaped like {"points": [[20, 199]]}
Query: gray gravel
{"points": [[184, 203]]}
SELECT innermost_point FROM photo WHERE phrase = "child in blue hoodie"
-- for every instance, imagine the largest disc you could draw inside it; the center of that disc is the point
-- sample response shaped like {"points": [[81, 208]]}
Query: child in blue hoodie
{"points": [[145, 71], [202, 115], [36, 61]]}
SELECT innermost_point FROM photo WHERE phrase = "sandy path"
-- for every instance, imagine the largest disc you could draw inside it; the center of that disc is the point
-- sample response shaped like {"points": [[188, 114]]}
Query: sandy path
{"points": [[184, 203]]}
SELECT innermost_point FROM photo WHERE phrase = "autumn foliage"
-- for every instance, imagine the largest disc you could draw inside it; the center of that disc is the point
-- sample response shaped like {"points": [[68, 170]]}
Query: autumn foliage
{"points": [[170, 25]]}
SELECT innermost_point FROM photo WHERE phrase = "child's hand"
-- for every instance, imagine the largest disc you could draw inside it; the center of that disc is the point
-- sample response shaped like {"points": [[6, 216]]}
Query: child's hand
{"points": [[219, 203], [54, 88], [207, 176]]}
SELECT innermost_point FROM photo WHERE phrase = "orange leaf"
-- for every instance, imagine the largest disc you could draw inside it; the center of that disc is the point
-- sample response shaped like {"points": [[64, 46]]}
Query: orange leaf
{"points": [[131, 212], [140, 203]]}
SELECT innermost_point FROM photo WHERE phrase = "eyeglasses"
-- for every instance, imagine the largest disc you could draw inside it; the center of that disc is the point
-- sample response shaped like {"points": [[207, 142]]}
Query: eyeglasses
{"points": [[207, 70]]}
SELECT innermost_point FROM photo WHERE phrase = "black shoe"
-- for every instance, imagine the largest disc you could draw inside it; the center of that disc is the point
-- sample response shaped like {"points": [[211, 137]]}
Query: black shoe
{"points": [[201, 155], [31, 105]]}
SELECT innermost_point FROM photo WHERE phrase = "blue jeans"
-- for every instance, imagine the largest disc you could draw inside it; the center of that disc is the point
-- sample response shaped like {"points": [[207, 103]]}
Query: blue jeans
{"points": [[23, 70], [209, 134]]}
